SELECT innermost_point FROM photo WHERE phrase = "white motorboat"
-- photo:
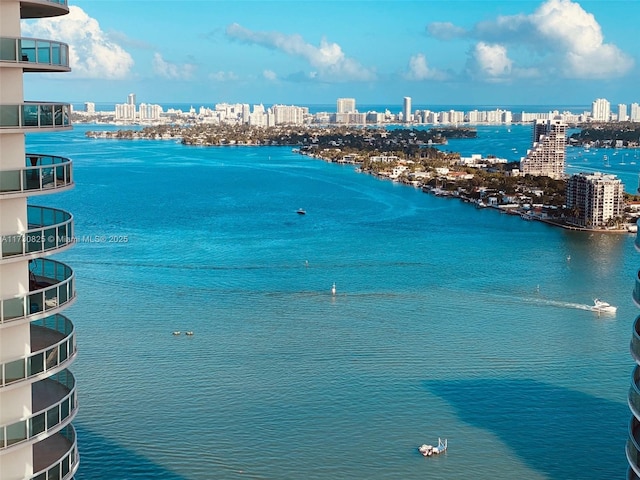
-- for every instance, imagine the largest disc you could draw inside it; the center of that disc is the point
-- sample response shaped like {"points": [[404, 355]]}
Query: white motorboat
{"points": [[602, 307], [429, 450]]}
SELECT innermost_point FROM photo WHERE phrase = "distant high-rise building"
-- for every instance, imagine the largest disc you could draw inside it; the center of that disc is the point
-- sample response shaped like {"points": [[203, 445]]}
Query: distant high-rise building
{"points": [[346, 105], [148, 112], [38, 394], [547, 156], [125, 112], [131, 99], [406, 110], [89, 107], [600, 110], [634, 114], [593, 199], [622, 112], [287, 115]]}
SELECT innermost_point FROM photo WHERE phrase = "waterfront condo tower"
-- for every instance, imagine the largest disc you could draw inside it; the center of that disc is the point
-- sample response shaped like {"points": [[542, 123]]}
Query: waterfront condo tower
{"points": [[547, 156], [37, 342], [594, 200]]}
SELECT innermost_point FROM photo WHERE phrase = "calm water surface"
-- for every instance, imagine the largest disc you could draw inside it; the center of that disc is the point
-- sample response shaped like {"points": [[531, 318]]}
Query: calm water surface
{"points": [[448, 321]]}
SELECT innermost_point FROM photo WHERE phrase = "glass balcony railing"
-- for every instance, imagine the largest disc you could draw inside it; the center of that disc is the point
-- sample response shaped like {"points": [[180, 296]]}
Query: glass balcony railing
{"points": [[36, 52], [632, 449], [59, 394], [634, 393], [632, 457], [56, 338], [51, 286], [56, 458], [35, 115], [49, 229], [42, 173], [635, 340]]}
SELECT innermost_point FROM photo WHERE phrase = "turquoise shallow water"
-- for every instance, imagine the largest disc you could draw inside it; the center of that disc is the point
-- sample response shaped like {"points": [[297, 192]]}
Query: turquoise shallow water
{"points": [[448, 322]]}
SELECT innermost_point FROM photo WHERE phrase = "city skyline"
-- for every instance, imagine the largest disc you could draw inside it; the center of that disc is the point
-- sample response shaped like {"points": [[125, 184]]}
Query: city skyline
{"points": [[461, 52]]}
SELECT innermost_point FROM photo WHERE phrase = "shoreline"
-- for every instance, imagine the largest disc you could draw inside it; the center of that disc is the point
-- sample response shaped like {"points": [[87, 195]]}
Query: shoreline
{"points": [[522, 213]]}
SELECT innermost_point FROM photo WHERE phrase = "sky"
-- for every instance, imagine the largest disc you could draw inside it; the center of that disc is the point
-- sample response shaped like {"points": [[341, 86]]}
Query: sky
{"points": [[310, 52]]}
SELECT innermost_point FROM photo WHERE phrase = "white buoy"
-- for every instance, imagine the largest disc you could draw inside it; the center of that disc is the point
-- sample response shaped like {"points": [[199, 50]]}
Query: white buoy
{"points": [[333, 289]]}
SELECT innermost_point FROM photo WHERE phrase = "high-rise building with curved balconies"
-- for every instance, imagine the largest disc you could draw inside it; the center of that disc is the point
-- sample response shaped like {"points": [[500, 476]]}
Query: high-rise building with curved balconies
{"points": [[633, 443], [37, 343]]}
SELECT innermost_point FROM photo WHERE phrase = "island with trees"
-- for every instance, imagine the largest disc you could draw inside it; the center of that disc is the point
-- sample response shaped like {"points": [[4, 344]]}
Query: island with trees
{"points": [[407, 155]]}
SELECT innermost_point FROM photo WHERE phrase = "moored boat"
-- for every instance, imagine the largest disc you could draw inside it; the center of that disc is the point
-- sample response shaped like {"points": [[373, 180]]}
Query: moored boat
{"points": [[429, 450]]}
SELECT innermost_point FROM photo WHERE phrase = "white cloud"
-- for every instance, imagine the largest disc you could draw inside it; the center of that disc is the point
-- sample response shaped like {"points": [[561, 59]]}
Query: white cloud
{"points": [[445, 30], [170, 70], [328, 59], [223, 76], [419, 70], [577, 37], [269, 75], [491, 61], [560, 37], [92, 54]]}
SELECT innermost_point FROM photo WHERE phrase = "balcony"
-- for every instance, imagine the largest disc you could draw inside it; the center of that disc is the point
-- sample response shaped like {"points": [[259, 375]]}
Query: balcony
{"points": [[33, 116], [43, 8], [50, 230], [54, 405], [41, 175], [633, 446], [635, 340], [35, 55], [51, 288], [53, 347], [56, 457]]}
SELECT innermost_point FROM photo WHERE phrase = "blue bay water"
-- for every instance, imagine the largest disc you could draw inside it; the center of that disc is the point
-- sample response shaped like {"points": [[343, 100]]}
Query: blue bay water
{"points": [[448, 321]]}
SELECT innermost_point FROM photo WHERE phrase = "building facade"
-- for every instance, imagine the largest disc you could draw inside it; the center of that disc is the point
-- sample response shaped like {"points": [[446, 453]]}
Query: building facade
{"points": [[633, 397], [406, 110], [547, 156], [594, 200], [37, 343], [346, 105], [600, 110]]}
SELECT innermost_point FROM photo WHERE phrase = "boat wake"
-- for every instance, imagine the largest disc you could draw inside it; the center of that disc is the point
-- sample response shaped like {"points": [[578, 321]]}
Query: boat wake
{"points": [[577, 306]]}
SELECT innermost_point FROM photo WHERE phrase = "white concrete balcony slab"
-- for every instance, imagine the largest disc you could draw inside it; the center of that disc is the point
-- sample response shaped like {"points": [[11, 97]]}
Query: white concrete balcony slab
{"points": [[42, 174], [53, 348], [43, 8], [56, 457], [51, 289], [54, 404], [50, 231]]}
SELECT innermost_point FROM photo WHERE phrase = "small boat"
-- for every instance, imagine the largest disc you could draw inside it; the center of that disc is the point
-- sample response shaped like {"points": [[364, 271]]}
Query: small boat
{"points": [[176, 333], [429, 450], [189, 333], [333, 289], [602, 307], [300, 212]]}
